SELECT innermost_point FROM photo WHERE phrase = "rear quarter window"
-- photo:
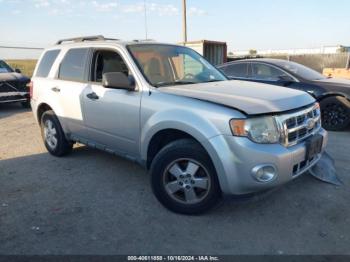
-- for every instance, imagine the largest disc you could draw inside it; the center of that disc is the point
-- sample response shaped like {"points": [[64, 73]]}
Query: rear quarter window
{"points": [[46, 63], [73, 65]]}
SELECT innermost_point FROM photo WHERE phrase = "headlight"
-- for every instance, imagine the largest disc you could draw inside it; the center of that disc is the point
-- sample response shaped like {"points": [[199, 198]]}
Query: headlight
{"points": [[261, 130]]}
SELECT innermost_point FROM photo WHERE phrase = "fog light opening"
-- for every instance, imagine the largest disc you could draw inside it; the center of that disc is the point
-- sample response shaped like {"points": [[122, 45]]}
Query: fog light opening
{"points": [[264, 173]]}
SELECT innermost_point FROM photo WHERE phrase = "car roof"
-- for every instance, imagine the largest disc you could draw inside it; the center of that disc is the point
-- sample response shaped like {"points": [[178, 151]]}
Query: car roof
{"points": [[120, 43], [263, 60]]}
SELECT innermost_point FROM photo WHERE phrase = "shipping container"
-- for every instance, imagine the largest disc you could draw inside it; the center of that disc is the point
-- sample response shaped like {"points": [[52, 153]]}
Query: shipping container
{"points": [[215, 52]]}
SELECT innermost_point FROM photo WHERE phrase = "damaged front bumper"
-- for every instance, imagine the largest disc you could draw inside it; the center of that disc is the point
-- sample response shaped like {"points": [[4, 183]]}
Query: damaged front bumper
{"points": [[325, 171], [240, 161]]}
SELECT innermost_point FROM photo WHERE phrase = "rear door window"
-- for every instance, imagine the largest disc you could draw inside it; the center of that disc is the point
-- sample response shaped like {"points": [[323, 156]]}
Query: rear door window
{"points": [[73, 65], [46, 63], [265, 72], [237, 70]]}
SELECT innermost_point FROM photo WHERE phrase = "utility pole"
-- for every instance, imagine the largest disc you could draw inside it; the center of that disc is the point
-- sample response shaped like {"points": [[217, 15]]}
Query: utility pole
{"points": [[184, 21], [145, 10]]}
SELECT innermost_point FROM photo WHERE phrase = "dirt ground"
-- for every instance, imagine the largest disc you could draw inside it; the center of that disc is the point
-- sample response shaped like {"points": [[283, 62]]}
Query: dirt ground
{"points": [[91, 202]]}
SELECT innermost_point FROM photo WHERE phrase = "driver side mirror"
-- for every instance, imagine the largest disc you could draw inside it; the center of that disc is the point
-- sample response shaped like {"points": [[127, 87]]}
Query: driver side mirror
{"points": [[118, 80], [18, 71]]}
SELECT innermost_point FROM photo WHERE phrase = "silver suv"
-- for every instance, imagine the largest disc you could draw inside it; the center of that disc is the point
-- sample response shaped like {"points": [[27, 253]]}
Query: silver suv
{"points": [[165, 107]]}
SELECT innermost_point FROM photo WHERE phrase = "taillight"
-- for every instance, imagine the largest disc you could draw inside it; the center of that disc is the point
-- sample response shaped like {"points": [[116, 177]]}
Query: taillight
{"points": [[30, 85]]}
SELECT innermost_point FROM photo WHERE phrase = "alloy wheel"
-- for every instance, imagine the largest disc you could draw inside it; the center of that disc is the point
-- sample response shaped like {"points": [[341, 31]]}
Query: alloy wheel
{"points": [[50, 133], [186, 181], [334, 114]]}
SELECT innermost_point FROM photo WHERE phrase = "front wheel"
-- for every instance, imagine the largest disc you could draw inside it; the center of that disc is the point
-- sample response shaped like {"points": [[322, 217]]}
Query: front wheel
{"points": [[335, 113], [184, 179], [53, 135]]}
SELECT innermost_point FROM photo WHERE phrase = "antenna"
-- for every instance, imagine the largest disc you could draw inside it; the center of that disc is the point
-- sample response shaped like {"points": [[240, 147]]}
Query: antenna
{"points": [[145, 10]]}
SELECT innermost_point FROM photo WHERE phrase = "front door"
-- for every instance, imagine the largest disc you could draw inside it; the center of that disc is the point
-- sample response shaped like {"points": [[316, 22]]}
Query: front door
{"points": [[111, 116], [267, 74]]}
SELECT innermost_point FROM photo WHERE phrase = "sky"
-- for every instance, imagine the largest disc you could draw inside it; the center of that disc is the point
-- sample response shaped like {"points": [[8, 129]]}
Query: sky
{"points": [[243, 24]]}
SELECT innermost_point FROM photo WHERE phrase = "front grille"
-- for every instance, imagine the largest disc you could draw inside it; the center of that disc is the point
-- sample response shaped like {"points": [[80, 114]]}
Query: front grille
{"points": [[10, 86], [297, 126]]}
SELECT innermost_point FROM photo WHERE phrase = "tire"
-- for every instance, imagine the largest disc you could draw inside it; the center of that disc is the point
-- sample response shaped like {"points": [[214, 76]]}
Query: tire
{"points": [[174, 187], [335, 113], [53, 135], [26, 104]]}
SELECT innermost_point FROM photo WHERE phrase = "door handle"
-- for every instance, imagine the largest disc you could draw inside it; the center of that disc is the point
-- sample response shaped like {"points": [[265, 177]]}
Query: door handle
{"points": [[56, 89], [92, 96]]}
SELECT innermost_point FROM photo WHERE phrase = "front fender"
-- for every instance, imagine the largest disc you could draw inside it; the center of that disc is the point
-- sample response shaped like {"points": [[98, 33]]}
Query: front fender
{"points": [[183, 120], [329, 94]]}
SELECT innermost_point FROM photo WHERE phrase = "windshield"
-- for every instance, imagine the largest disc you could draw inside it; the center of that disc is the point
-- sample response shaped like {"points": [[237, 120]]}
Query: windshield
{"points": [[302, 71], [165, 65], [5, 68]]}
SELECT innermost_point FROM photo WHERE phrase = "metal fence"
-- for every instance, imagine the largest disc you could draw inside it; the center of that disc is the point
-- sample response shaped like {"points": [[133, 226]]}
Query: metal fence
{"points": [[315, 61], [319, 61]]}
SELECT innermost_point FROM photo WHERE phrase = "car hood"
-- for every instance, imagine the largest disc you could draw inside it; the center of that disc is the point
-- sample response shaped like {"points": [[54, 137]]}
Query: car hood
{"points": [[335, 85], [12, 77], [249, 97]]}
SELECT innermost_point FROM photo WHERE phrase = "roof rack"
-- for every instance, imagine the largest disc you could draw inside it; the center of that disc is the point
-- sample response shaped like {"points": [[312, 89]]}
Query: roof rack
{"points": [[143, 40], [85, 38]]}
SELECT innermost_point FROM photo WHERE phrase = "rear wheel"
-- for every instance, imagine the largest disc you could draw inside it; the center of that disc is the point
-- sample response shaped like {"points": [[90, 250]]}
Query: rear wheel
{"points": [[53, 135], [184, 179], [335, 113]]}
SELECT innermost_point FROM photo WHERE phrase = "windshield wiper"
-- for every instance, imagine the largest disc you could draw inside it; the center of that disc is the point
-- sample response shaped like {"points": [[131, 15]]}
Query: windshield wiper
{"points": [[160, 84], [179, 82], [213, 80]]}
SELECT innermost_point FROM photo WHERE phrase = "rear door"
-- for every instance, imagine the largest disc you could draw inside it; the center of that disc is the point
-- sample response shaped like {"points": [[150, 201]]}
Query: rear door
{"points": [[268, 74], [111, 116], [68, 87]]}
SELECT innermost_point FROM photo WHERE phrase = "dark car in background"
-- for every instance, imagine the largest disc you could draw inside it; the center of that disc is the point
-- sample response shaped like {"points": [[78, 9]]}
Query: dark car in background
{"points": [[13, 86], [333, 94]]}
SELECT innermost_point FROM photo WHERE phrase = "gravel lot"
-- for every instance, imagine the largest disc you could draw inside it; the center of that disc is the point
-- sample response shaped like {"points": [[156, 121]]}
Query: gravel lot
{"points": [[95, 203]]}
